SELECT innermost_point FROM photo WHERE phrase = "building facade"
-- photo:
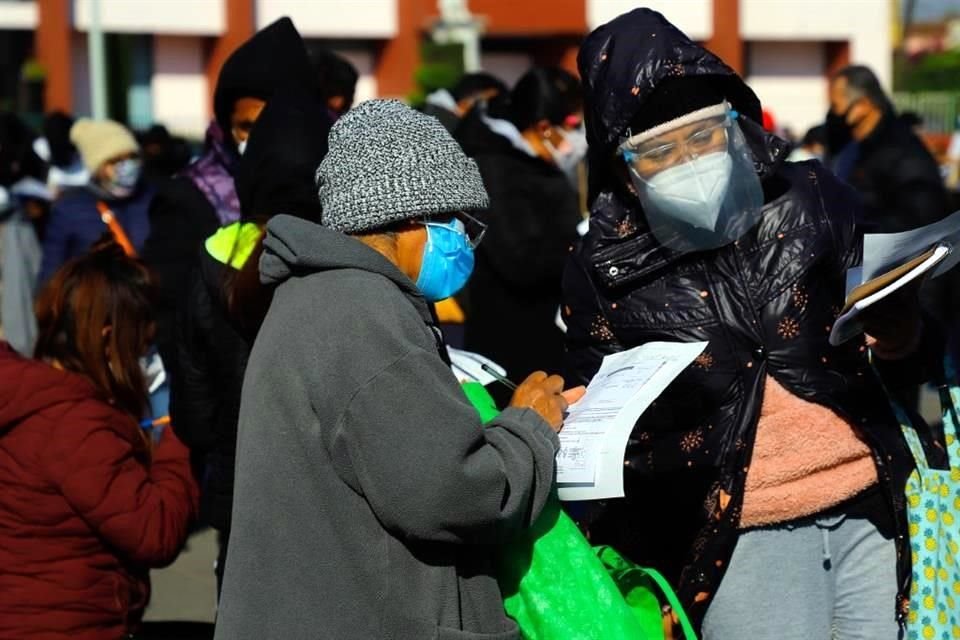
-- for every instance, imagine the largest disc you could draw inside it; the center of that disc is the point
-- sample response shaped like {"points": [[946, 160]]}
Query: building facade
{"points": [[163, 56]]}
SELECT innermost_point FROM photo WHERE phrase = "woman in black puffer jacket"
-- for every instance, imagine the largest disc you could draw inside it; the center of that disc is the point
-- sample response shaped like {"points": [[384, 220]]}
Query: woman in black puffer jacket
{"points": [[773, 435], [215, 332]]}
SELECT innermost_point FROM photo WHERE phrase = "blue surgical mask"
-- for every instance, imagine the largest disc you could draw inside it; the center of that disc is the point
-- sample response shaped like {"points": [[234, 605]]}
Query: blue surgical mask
{"points": [[126, 177], [447, 260]]}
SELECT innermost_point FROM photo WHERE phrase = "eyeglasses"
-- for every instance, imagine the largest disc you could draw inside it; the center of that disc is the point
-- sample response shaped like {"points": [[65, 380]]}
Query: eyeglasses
{"points": [[472, 228], [666, 150]]}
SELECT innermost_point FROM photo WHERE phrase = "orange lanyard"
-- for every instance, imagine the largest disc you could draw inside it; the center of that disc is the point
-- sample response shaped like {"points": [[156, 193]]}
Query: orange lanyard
{"points": [[118, 233]]}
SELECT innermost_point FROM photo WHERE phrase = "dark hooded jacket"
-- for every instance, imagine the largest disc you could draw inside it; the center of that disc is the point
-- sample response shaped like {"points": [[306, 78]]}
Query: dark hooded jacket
{"points": [[369, 496], [764, 304], [190, 207], [213, 341], [514, 292]]}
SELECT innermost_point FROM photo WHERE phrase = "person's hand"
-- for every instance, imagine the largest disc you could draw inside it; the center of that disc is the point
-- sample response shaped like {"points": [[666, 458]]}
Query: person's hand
{"points": [[893, 325], [545, 395]]}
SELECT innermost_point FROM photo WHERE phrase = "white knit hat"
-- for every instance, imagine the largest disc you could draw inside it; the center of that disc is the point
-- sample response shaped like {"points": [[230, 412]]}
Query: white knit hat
{"points": [[101, 140]]}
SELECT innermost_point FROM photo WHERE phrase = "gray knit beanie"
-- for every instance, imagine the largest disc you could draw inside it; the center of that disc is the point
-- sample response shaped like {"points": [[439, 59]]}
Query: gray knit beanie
{"points": [[388, 163]]}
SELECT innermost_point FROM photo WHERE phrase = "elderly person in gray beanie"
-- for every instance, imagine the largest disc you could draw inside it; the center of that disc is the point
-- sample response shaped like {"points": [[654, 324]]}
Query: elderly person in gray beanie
{"points": [[369, 497]]}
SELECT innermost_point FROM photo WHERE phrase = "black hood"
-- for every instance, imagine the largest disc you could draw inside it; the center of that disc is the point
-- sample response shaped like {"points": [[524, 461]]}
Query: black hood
{"points": [[274, 57], [56, 129], [623, 61], [17, 157], [276, 173], [621, 64]]}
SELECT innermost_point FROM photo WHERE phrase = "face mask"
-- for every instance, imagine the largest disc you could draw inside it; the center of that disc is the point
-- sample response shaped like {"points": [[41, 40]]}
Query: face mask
{"points": [[569, 154], [127, 173], [125, 178], [447, 260], [241, 147], [838, 131], [692, 192], [154, 373]]}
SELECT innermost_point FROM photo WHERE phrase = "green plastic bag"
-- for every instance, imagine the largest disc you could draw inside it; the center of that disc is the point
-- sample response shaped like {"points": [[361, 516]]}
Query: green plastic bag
{"points": [[642, 588], [557, 587], [481, 400]]}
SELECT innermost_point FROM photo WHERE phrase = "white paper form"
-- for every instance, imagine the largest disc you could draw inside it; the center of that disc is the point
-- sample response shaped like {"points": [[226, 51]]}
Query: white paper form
{"points": [[595, 433]]}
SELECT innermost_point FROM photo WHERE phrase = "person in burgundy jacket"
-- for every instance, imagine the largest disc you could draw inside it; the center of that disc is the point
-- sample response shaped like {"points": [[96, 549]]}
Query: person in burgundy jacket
{"points": [[90, 501]]}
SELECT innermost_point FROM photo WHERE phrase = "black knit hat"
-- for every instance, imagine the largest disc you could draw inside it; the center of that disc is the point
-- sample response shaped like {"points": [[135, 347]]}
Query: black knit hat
{"points": [[675, 97], [274, 57], [288, 142]]}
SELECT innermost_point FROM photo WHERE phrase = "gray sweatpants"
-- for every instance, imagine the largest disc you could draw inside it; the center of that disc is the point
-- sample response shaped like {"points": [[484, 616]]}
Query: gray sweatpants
{"points": [[811, 580]]}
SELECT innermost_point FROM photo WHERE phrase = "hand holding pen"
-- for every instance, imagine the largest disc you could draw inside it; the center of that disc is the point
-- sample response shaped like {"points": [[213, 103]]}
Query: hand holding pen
{"points": [[542, 393]]}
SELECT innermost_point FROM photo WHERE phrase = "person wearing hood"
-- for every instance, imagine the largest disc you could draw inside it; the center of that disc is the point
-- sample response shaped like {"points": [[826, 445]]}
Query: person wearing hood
{"points": [[767, 482], [227, 302], [514, 294], [56, 149], [193, 205], [90, 501], [24, 208], [369, 497], [337, 79], [114, 201]]}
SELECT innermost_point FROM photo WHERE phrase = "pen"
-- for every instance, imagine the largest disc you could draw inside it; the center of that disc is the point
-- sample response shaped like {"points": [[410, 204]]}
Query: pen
{"points": [[150, 423], [507, 382]]}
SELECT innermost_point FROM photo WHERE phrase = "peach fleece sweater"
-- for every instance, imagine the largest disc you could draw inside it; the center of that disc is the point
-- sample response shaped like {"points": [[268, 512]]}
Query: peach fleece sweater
{"points": [[805, 459]]}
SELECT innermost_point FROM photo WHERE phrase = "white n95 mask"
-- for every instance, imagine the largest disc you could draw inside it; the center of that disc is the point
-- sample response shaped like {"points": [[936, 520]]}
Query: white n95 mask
{"points": [[693, 192], [696, 180]]}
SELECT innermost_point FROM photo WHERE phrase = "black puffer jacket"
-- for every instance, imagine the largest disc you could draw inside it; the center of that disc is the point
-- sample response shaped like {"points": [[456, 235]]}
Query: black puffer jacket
{"points": [[764, 304]]}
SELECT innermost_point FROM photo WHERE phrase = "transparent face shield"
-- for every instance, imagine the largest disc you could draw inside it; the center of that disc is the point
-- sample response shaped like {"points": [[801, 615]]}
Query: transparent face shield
{"points": [[695, 179]]}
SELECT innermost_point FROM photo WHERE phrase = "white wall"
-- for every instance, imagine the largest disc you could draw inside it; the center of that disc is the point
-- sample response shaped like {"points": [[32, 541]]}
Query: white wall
{"points": [[789, 79], [179, 85], [18, 15], [197, 17], [505, 65], [693, 17], [865, 24], [333, 18]]}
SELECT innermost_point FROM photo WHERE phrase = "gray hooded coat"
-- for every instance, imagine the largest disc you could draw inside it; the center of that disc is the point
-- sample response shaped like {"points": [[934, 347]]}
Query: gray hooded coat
{"points": [[369, 498]]}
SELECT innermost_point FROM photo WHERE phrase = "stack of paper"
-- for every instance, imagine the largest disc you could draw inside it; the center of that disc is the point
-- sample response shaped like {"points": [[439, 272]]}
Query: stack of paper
{"points": [[890, 262]]}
